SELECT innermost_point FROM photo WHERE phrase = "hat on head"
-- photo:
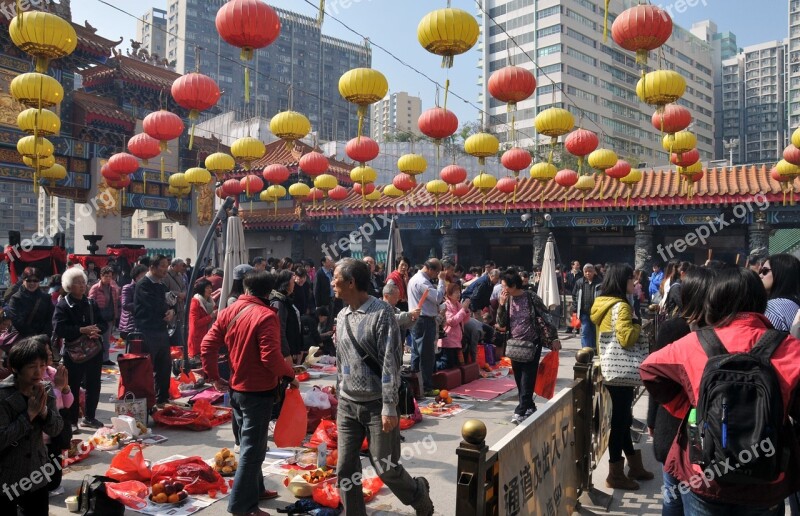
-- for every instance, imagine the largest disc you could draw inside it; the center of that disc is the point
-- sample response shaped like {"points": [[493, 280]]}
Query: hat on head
{"points": [[240, 270]]}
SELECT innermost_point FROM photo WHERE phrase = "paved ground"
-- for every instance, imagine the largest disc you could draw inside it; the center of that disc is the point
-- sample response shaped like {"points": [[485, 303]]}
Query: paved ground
{"points": [[436, 461]]}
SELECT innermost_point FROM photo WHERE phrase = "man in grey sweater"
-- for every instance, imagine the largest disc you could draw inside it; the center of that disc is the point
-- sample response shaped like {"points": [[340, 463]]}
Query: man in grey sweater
{"points": [[368, 356]]}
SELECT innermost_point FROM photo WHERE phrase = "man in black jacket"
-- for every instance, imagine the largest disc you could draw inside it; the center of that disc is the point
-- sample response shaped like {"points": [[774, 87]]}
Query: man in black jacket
{"points": [[152, 313], [323, 294]]}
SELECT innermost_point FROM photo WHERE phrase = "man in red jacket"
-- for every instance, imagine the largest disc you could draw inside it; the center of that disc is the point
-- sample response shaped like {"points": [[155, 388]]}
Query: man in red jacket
{"points": [[251, 331]]}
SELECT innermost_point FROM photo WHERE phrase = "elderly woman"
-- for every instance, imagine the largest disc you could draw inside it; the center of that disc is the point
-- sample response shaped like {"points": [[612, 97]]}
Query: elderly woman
{"points": [[106, 294], [127, 323], [77, 316], [28, 411], [30, 309]]}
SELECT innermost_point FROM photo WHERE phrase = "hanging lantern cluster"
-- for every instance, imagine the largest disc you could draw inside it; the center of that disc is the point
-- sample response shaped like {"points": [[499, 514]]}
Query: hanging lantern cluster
{"points": [[787, 173], [325, 183], [481, 146], [580, 143], [195, 92], [543, 173], [512, 84], [454, 175], [163, 126], [554, 122], [44, 36], [248, 25], [315, 165], [689, 175], [437, 123], [362, 87]]}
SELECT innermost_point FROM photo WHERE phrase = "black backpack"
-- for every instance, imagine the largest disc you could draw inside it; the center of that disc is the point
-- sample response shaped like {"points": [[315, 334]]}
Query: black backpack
{"points": [[740, 412]]}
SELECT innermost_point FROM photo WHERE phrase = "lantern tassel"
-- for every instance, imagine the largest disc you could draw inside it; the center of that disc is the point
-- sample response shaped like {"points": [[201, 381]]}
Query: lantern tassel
{"points": [[162, 169], [362, 111], [321, 14], [541, 199], [247, 84], [580, 164], [191, 137], [276, 207], [605, 23], [446, 90], [565, 201], [19, 13], [144, 180]]}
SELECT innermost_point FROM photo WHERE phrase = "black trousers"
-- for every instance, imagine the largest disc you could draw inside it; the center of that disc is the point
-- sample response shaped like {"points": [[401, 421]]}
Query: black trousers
{"points": [[156, 343], [525, 378], [89, 373], [55, 478], [619, 440], [34, 503]]}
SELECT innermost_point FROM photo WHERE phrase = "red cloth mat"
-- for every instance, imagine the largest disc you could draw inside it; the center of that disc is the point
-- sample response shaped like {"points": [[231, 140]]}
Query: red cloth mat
{"points": [[486, 388]]}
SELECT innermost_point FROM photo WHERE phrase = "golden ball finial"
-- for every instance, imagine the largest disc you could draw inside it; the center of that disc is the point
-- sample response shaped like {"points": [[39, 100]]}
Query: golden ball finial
{"points": [[584, 355], [473, 431]]}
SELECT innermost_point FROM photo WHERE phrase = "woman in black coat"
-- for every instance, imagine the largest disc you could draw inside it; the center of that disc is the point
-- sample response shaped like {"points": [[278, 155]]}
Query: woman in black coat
{"points": [[281, 300], [31, 310], [77, 315]]}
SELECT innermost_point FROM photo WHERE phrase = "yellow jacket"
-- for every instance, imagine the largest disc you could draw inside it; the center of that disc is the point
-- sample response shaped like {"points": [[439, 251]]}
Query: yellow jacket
{"points": [[627, 332]]}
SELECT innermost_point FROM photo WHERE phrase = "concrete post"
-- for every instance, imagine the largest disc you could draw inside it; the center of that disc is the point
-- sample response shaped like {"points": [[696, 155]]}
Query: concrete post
{"points": [[539, 242], [643, 247], [449, 243]]}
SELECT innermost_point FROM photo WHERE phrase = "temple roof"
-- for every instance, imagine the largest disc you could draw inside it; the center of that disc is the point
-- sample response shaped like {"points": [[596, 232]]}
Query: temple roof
{"points": [[657, 189], [131, 70], [96, 108]]}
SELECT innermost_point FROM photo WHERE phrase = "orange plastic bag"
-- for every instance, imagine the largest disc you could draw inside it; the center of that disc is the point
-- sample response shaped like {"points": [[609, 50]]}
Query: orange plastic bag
{"points": [[327, 495], [574, 321], [131, 493], [327, 433], [128, 464], [481, 357], [547, 375], [290, 430]]}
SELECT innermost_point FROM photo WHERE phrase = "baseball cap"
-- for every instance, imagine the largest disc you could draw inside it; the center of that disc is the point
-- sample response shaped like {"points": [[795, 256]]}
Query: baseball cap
{"points": [[240, 270]]}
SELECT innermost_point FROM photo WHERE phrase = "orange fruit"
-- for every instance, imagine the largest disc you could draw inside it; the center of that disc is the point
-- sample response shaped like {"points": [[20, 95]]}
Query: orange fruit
{"points": [[173, 498], [444, 394], [160, 498], [158, 488]]}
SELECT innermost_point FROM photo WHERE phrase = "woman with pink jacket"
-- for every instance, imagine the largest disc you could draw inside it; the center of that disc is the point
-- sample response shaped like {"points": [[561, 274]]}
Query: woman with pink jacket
{"points": [[456, 314]]}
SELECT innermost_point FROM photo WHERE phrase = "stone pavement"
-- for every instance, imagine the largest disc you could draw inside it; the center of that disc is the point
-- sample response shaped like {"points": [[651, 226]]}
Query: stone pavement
{"points": [[431, 445]]}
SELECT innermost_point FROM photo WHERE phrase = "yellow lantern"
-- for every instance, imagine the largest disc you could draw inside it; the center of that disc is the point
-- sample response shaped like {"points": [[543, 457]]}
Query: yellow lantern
{"points": [[602, 159], [363, 175], [436, 188], [373, 196], [484, 183], [36, 90], [53, 173], [39, 122], [481, 146], [179, 191], [198, 176], [267, 197], [680, 142], [796, 137], [247, 150], [363, 86], [220, 163], [178, 180], [787, 172], [660, 88], [447, 33], [686, 173], [299, 191], [289, 126], [33, 147], [633, 177], [45, 162], [543, 172], [276, 192], [392, 191], [412, 164], [585, 184], [554, 122], [43, 35], [325, 182]]}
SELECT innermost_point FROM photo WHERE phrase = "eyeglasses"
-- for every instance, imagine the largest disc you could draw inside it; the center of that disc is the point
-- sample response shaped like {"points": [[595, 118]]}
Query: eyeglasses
{"points": [[764, 271], [32, 280]]}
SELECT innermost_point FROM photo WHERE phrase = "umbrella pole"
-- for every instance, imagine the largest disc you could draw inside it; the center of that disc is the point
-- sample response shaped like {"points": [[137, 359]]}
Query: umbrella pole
{"points": [[221, 216]]}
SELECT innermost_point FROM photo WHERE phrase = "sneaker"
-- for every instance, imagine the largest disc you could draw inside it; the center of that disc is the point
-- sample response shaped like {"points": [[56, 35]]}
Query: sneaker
{"points": [[517, 419], [236, 448], [57, 491], [529, 412], [423, 504], [432, 393], [90, 424]]}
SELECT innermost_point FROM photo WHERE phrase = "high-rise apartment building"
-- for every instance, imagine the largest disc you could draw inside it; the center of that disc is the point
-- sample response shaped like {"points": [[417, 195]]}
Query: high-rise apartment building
{"points": [[151, 30], [395, 116], [301, 69], [754, 108], [565, 38], [793, 65]]}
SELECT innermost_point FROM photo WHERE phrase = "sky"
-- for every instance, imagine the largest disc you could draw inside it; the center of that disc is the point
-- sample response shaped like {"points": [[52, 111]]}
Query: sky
{"points": [[392, 24]]}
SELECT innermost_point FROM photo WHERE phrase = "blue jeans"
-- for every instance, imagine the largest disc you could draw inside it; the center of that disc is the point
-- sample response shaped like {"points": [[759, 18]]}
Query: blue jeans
{"points": [[448, 359], [252, 411], [588, 330], [673, 504], [423, 349], [356, 421], [696, 505]]}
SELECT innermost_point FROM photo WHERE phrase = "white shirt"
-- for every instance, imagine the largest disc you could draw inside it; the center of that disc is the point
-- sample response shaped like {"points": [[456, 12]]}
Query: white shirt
{"points": [[419, 284]]}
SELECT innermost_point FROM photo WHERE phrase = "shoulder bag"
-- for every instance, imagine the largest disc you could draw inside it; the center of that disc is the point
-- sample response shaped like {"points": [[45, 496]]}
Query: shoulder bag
{"points": [[619, 365], [84, 348], [405, 399], [526, 351], [11, 336]]}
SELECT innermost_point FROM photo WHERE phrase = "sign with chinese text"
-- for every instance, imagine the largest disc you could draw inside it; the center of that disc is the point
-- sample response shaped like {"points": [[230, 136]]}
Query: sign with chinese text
{"points": [[538, 474]]}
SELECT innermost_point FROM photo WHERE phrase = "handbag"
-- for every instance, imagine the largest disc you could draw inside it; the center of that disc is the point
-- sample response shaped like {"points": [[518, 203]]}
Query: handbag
{"points": [[132, 406], [526, 351], [11, 336], [405, 399], [520, 350], [93, 500], [620, 366], [84, 348]]}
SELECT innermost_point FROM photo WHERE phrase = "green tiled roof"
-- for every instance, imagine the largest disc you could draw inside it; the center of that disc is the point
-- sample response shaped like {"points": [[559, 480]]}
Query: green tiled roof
{"points": [[784, 241]]}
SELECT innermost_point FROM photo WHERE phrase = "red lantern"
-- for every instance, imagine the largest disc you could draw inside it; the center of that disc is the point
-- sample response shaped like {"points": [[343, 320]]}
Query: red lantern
{"points": [[276, 174], [314, 163], [566, 178], [232, 187], [144, 147], [516, 159], [405, 182], [221, 192], [123, 163], [361, 150], [251, 184], [339, 193], [460, 190], [315, 195], [776, 176], [620, 170], [438, 123], [512, 84], [791, 154], [696, 177], [687, 158], [642, 28], [672, 119], [163, 126], [195, 92], [368, 189], [108, 174], [453, 174], [506, 185], [581, 142], [123, 182]]}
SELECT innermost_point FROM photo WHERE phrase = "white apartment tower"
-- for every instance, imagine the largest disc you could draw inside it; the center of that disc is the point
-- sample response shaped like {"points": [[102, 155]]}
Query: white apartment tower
{"points": [[395, 117], [151, 30], [793, 66], [565, 38]]}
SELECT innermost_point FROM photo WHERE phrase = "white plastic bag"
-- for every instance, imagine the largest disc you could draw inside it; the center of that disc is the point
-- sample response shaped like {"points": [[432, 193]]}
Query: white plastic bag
{"points": [[315, 398]]}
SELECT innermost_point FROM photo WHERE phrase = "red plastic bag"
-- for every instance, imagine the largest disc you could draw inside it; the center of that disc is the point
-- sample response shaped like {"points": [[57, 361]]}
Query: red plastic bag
{"points": [[327, 433], [174, 391], [131, 493], [128, 464], [197, 476], [574, 322], [290, 430], [327, 495], [303, 377], [178, 418], [547, 375], [481, 357], [371, 486]]}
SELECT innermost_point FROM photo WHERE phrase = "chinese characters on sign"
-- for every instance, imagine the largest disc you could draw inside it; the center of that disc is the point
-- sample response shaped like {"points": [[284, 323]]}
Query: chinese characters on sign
{"points": [[538, 474]]}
